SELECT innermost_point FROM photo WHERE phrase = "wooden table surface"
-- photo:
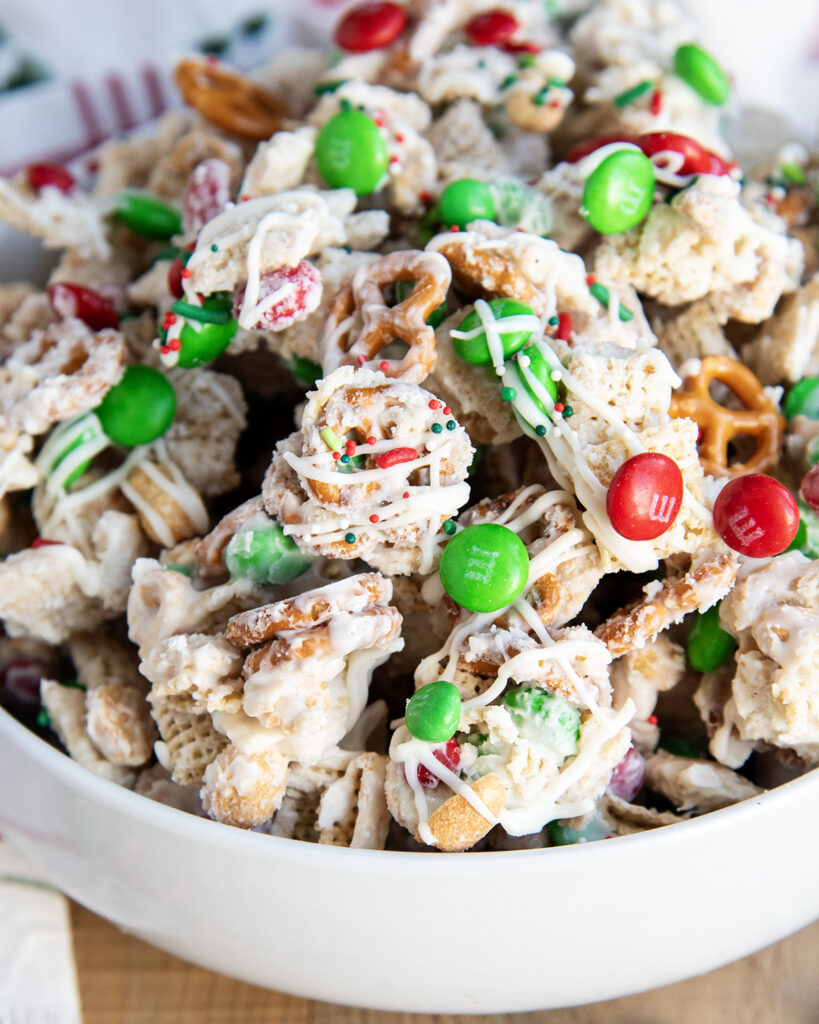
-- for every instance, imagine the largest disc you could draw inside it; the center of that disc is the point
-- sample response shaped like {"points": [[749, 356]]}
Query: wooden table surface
{"points": [[123, 981]]}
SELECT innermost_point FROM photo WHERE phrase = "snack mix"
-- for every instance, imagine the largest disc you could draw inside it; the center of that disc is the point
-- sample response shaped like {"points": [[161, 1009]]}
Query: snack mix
{"points": [[420, 448]]}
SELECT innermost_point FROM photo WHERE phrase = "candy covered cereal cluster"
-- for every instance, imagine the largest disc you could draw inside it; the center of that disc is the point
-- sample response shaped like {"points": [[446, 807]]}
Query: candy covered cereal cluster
{"points": [[419, 450]]}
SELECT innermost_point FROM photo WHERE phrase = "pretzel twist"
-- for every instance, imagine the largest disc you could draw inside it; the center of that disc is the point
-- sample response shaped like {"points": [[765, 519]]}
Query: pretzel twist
{"points": [[719, 426], [361, 300], [229, 100]]}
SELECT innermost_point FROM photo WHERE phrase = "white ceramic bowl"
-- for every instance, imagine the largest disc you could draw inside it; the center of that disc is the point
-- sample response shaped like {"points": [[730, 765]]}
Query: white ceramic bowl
{"points": [[457, 933]]}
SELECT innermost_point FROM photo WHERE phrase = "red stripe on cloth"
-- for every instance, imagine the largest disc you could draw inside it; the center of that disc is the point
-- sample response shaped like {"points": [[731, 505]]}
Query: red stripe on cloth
{"points": [[87, 114], [154, 89], [119, 98]]}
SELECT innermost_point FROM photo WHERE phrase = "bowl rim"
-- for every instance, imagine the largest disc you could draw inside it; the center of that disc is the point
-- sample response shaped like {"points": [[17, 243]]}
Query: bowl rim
{"points": [[191, 826]]}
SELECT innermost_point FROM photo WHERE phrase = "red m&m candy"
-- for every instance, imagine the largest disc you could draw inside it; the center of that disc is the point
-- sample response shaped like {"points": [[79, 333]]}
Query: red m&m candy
{"points": [[491, 28], [696, 158], [645, 496], [810, 489], [89, 306], [370, 26], [756, 515], [586, 146], [449, 754], [51, 176]]}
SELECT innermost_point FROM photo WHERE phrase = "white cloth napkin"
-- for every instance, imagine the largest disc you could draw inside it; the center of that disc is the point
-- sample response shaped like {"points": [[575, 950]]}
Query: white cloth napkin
{"points": [[38, 982]]}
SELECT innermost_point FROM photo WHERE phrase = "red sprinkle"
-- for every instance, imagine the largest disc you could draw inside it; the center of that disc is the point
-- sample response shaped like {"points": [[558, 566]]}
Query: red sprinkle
{"points": [[185, 273], [559, 407], [399, 138], [244, 198], [652, 719], [374, 518], [350, 445], [425, 197], [336, 456], [383, 366], [361, 360], [395, 456], [520, 47], [454, 229], [564, 326], [590, 280], [405, 494], [446, 411], [434, 403], [393, 159], [174, 344], [51, 175], [656, 104], [41, 542], [371, 440]]}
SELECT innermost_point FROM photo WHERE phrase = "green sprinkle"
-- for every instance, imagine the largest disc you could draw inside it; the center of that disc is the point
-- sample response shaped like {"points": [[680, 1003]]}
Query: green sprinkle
{"points": [[554, 321], [186, 570], [625, 313], [527, 61], [322, 88], [794, 174], [601, 293], [43, 719], [346, 105], [200, 313], [449, 527], [451, 424], [556, 83], [73, 684], [508, 394], [568, 412], [345, 459], [630, 95], [214, 247], [350, 538], [331, 438], [540, 430], [509, 80], [436, 428], [540, 97]]}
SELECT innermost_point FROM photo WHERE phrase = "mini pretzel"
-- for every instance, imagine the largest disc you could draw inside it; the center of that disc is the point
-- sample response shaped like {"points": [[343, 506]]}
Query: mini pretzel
{"points": [[229, 100], [383, 324], [313, 608], [759, 419]]}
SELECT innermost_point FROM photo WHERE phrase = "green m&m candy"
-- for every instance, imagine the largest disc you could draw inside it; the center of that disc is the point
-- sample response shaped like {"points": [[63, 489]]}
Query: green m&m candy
{"points": [[698, 69], [533, 362], [146, 216], [434, 712], [465, 200], [139, 409], [264, 554], [90, 432], [619, 192], [564, 835], [544, 719], [304, 370], [807, 533], [513, 333], [803, 399], [351, 152], [484, 567], [709, 646]]}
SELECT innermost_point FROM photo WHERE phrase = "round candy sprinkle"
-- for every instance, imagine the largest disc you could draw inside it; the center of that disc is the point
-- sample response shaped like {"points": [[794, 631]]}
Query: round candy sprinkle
{"points": [[465, 200], [810, 489], [351, 152], [484, 567], [350, 538], [450, 527], [450, 757], [434, 712], [475, 350], [803, 399], [619, 192], [699, 69], [756, 515], [645, 496], [146, 216], [50, 175], [437, 428], [370, 26], [138, 409], [93, 309], [491, 28], [709, 646], [265, 555]]}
